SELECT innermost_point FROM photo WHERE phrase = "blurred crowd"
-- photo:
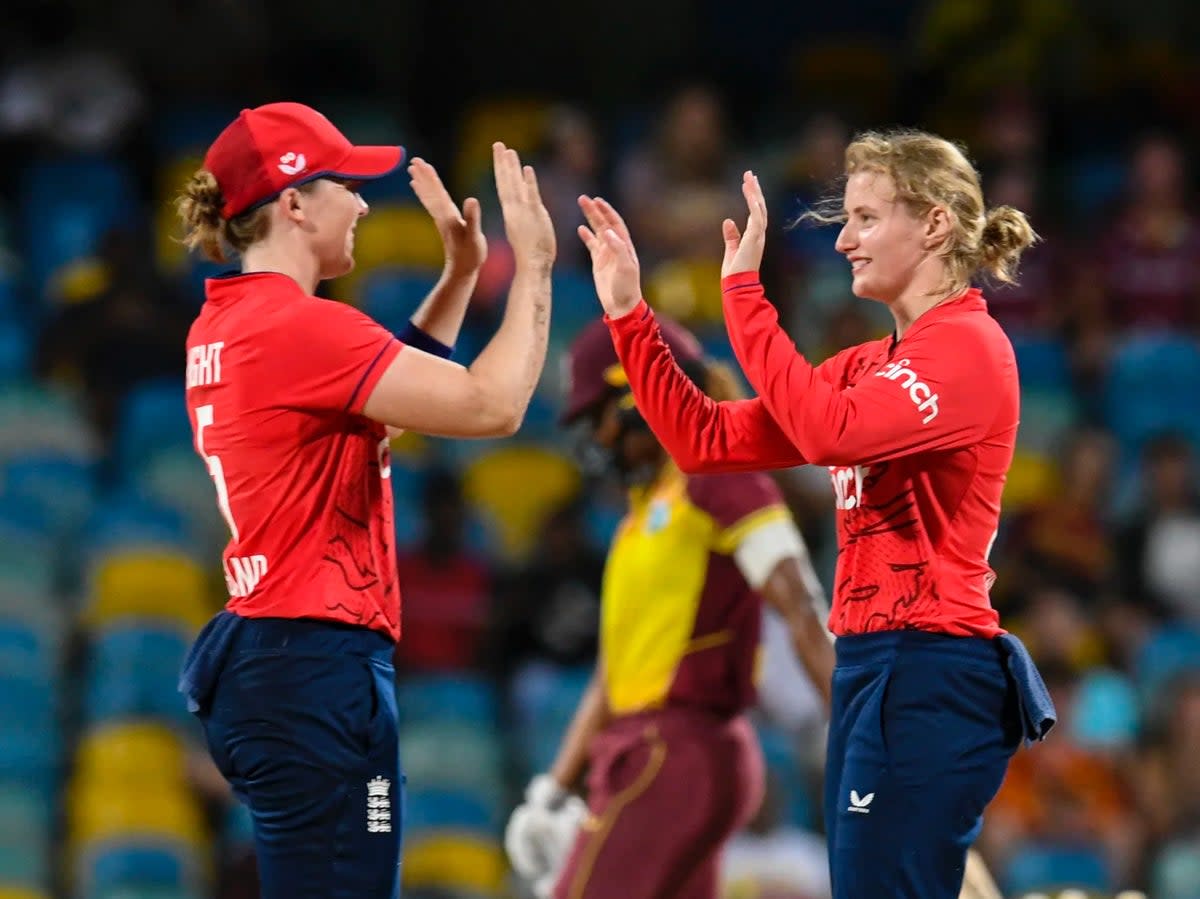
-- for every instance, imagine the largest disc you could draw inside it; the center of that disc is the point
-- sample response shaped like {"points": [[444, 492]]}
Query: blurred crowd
{"points": [[502, 544]]}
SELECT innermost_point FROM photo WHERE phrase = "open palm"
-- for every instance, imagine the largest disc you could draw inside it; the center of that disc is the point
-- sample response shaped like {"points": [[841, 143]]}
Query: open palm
{"points": [[614, 258]]}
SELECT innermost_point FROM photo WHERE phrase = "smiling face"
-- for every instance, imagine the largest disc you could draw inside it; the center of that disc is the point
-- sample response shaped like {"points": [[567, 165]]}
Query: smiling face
{"points": [[331, 210], [881, 239]]}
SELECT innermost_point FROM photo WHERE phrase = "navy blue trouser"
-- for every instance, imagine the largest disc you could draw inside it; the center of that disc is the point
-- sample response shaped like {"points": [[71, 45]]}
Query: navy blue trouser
{"points": [[922, 730], [300, 717]]}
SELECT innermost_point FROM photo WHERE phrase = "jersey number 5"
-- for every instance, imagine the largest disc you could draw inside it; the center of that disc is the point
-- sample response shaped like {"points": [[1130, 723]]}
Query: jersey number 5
{"points": [[204, 418]]}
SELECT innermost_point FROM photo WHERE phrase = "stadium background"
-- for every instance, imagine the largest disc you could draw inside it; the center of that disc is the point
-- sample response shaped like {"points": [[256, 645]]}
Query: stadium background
{"points": [[1081, 113]]}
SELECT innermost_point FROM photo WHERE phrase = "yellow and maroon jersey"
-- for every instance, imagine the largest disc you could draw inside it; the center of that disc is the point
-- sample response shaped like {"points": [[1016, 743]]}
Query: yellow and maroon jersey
{"points": [[679, 623]]}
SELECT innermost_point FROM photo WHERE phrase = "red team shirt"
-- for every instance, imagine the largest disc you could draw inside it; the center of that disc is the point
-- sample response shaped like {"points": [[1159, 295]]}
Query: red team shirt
{"points": [[276, 382], [917, 434]]}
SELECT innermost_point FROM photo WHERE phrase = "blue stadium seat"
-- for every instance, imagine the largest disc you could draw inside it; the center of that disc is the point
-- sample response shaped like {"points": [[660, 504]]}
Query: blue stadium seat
{"points": [[26, 650], [1047, 867], [153, 417], [1107, 711], [67, 205], [135, 864], [391, 295], [61, 487], [453, 755], [129, 519], [450, 809], [544, 698], [16, 345], [1173, 650], [19, 866], [1151, 388], [459, 698], [133, 671], [38, 419], [575, 304]]}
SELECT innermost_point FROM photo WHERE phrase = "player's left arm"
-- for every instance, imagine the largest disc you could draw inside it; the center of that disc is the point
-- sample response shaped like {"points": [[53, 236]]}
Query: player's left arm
{"points": [[440, 315], [943, 389], [774, 560]]}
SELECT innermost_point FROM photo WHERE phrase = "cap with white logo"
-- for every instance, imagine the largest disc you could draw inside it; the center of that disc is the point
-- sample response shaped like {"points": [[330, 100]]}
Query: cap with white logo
{"points": [[270, 148]]}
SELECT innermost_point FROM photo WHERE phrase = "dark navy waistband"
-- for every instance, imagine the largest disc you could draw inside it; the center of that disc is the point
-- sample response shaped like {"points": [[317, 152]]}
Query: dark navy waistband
{"points": [[311, 637], [868, 649]]}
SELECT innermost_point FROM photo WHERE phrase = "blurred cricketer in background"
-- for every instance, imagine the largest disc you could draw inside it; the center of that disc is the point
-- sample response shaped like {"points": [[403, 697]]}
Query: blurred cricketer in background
{"points": [[674, 766]]}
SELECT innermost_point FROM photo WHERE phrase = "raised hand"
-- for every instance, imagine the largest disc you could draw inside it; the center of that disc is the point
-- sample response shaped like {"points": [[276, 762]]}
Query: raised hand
{"points": [[526, 221], [614, 259], [462, 232], [744, 252]]}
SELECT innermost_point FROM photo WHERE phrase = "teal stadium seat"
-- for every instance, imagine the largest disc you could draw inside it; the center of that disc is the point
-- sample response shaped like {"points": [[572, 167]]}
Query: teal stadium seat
{"points": [[450, 698], [1048, 868]]}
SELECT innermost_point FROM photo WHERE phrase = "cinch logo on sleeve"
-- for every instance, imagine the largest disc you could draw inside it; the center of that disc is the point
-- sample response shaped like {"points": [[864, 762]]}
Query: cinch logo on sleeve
{"points": [[918, 391]]}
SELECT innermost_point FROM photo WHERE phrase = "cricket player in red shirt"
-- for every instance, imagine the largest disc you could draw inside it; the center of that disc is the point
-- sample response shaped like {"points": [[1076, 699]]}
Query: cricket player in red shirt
{"points": [[930, 696], [292, 399]]}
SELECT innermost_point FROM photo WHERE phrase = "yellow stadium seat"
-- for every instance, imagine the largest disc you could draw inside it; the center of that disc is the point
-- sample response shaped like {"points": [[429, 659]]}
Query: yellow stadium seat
{"points": [[108, 811], [400, 235], [454, 862], [22, 892], [1031, 477], [172, 255], [689, 291], [130, 755], [516, 487], [519, 123], [149, 584]]}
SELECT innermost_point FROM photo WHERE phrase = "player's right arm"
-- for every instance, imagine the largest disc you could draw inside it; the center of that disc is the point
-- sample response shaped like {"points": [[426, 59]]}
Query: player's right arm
{"points": [[700, 434], [421, 392], [590, 718]]}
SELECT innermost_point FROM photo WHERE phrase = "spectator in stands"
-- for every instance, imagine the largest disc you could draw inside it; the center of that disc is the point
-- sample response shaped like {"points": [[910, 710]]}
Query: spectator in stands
{"points": [[1160, 544], [569, 165], [549, 608], [447, 586], [679, 181], [1151, 254]]}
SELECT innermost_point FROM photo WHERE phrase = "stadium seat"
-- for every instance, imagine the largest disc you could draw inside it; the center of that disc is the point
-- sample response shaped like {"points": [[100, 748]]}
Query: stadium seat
{"points": [[689, 291], [107, 812], [62, 487], [1151, 389], [160, 586], [391, 295], [1107, 713], [544, 698], [515, 487], [454, 863], [397, 236], [519, 122], [13, 891], [16, 345], [27, 651], [447, 809], [130, 755], [35, 419], [169, 181], [153, 418], [138, 864], [449, 698], [456, 756], [24, 813], [129, 520], [146, 892], [1049, 408], [1172, 650], [21, 867], [177, 479], [1048, 867], [133, 671], [68, 204]]}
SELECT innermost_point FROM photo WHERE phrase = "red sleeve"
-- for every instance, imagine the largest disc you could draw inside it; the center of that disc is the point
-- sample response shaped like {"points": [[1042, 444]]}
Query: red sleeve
{"points": [[699, 433], [943, 390], [330, 356]]}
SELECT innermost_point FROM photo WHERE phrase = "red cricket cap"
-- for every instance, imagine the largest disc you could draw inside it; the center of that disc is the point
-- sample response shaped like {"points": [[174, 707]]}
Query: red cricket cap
{"points": [[270, 148]]}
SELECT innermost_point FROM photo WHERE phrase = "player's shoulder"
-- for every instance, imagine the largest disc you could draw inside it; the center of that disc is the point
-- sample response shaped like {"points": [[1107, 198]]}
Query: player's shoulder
{"points": [[728, 498], [971, 333]]}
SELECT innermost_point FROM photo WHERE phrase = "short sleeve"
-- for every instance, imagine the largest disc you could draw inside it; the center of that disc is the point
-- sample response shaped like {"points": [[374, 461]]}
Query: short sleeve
{"points": [[737, 503], [329, 356]]}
